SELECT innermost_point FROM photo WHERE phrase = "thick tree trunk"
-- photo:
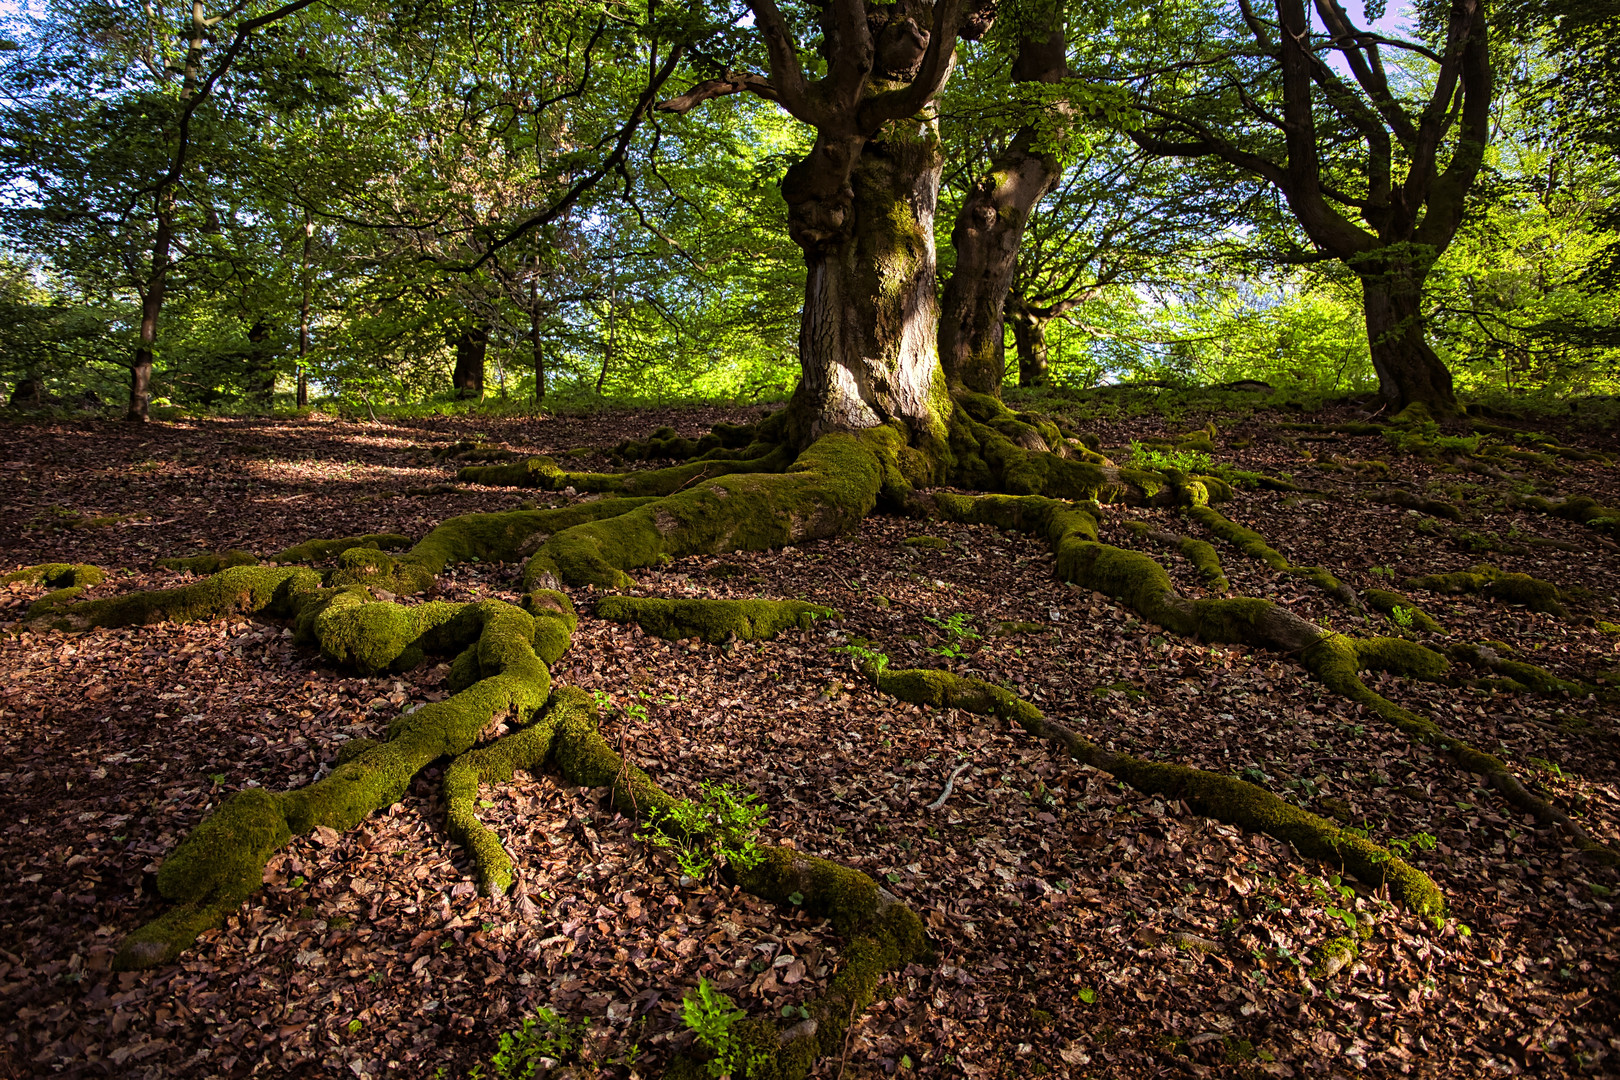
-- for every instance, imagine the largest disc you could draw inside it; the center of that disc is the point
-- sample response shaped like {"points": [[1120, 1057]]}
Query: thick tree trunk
{"points": [[1029, 336], [471, 345], [865, 219], [261, 374], [989, 229], [1408, 370]]}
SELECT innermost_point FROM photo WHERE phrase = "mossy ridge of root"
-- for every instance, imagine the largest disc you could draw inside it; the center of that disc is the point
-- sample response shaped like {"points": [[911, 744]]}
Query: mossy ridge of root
{"points": [[58, 575], [1224, 798], [884, 934], [1578, 508], [210, 562], [1533, 593], [221, 862], [1527, 677], [311, 551], [667, 443], [990, 448], [1254, 545], [1387, 600], [498, 537], [1409, 501], [545, 474], [1202, 554], [715, 621], [1140, 583], [827, 491], [241, 590]]}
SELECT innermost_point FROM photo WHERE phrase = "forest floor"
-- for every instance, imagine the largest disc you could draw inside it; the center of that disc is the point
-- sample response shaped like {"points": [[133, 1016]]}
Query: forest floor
{"points": [[1081, 929]]}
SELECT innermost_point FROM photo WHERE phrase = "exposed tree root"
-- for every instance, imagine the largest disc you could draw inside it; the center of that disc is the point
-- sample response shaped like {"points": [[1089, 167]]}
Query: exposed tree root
{"points": [[221, 862], [1224, 798], [211, 562], [1533, 593], [884, 934], [309, 551], [712, 620], [1579, 508], [665, 442], [1254, 545], [544, 473], [1409, 501], [67, 582], [827, 491], [1515, 675], [1140, 583], [1202, 554]]}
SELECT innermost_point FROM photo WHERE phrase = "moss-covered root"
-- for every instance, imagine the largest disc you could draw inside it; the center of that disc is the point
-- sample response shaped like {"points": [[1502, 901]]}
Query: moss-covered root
{"points": [[1410, 501], [221, 862], [525, 749], [1140, 583], [1335, 660], [884, 933], [239, 590], [1579, 508], [828, 490], [992, 449], [210, 562], [712, 620], [1533, 593], [667, 443], [544, 473], [1387, 601], [1205, 559], [1517, 675], [313, 551], [502, 537], [67, 582], [58, 575], [1224, 798], [1254, 545]]}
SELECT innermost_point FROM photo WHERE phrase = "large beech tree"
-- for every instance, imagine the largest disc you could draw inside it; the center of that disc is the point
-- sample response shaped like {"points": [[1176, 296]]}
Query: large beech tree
{"points": [[1374, 166]]}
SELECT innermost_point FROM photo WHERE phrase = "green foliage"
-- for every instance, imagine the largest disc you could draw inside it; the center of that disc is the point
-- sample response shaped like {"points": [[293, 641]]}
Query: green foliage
{"points": [[864, 657], [720, 829], [1158, 459], [958, 634], [713, 1018], [521, 1054]]}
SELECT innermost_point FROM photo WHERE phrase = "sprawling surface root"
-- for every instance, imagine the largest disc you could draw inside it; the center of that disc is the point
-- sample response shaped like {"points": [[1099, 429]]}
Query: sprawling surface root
{"points": [[504, 537], [1224, 798], [221, 862], [1254, 545], [211, 562], [828, 490], [1202, 554], [714, 621], [1589, 512], [884, 934], [722, 439], [1140, 583], [1533, 593], [545, 474], [67, 582], [241, 590]]}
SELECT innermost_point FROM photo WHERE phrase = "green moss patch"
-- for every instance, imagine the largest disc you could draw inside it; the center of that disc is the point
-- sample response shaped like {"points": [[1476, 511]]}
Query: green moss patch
{"points": [[927, 542], [1533, 593], [58, 575], [211, 562], [712, 620]]}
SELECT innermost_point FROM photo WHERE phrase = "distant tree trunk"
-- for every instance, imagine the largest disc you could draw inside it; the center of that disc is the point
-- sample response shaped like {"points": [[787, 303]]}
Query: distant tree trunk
{"points": [[1409, 371], [303, 316], [990, 227], [471, 345], [1029, 337], [534, 337], [140, 371], [867, 348], [261, 374]]}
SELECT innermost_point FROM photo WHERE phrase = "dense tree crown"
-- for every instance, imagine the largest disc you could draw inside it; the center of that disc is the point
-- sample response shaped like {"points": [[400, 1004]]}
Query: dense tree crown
{"points": [[399, 205]]}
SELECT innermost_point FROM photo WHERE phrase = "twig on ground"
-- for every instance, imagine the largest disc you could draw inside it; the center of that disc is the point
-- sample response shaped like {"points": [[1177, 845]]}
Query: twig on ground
{"points": [[950, 783]]}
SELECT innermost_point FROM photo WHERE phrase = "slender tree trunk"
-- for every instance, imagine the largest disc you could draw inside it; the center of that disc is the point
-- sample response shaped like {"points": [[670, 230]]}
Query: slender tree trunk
{"points": [[1409, 371], [607, 349], [1029, 337], [989, 229], [534, 336], [867, 348], [468, 377], [140, 371], [303, 316]]}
